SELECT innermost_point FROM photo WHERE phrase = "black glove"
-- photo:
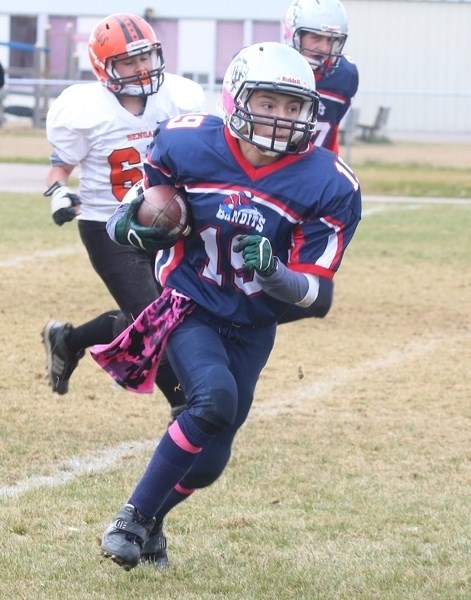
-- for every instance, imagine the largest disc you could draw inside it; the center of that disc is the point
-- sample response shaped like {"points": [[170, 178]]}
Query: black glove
{"points": [[63, 203], [257, 253], [130, 233]]}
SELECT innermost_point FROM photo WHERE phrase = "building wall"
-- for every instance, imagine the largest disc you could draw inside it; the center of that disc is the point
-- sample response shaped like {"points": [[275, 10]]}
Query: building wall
{"points": [[412, 55], [167, 9]]}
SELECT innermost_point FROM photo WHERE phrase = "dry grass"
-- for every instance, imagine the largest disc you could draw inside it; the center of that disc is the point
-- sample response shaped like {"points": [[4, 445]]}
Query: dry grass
{"points": [[397, 169], [434, 154], [352, 483], [31, 144]]}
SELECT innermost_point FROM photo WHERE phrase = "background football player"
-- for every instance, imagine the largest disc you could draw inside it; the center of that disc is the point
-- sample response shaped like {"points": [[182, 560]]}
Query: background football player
{"points": [[318, 29], [104, 128]]}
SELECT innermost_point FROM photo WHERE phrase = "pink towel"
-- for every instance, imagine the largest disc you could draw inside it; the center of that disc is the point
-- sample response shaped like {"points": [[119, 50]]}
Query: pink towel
{"points": [[132, 359]]}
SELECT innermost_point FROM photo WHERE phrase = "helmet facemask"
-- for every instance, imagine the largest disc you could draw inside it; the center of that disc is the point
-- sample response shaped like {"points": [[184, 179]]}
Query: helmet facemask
{"points": [[321, 62], [143, 83], [243, 120]]}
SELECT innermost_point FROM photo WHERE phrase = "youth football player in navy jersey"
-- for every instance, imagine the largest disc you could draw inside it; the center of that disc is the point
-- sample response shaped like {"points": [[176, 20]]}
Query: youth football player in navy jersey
{"points": [[318, 29], [272, 214]]}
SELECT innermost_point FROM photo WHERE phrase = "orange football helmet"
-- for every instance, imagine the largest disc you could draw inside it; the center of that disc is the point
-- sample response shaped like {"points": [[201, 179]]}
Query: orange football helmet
{"points": [[121, 36]]}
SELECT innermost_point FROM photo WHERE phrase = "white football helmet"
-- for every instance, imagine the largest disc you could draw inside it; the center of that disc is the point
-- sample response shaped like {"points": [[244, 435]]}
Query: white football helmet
{"points": [[326, 18], [278, 68]]}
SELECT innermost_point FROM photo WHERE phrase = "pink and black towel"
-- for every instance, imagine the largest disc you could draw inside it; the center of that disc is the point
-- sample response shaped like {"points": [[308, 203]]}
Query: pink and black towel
{"points": [[132, 359]]}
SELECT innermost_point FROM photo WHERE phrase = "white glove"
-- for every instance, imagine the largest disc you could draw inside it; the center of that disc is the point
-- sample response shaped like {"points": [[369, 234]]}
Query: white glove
{"points": [[63, 203], [135, 191]]}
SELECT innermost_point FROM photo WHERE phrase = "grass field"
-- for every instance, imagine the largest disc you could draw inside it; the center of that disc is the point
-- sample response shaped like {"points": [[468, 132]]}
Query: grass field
{"points": [[351, 483], [401, 168]]}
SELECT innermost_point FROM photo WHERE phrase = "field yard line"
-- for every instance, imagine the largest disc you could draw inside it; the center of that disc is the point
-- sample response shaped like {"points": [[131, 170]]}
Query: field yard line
{"points": [[105, 459], [19, 261], [26, 259], [101, 460], [367, 212], [342, 377], [386, 201], [417, 200]]}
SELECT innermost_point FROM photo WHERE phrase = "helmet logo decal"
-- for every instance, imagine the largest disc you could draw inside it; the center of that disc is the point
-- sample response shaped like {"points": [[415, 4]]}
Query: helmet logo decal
{"points": [[289, 79], [239, 71], [101, 36], [293, 16], [137, 45]]}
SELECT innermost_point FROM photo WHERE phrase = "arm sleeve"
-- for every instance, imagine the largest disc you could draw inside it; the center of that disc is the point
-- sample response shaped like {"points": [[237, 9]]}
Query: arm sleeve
{"points": [[318, 309], [289, 286]]}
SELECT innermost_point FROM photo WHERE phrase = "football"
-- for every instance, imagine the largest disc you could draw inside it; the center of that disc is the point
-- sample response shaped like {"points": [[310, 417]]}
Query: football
{"points": [[165, 207]]}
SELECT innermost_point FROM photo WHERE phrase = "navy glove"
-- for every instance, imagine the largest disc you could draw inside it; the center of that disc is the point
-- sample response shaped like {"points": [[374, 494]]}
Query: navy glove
{"points": [[257, 253], [63, 203], [130, 233]]}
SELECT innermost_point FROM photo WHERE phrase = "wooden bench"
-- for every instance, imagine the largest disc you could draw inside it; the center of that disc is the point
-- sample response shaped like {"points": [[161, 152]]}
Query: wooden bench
{"points": [[369, 133]]}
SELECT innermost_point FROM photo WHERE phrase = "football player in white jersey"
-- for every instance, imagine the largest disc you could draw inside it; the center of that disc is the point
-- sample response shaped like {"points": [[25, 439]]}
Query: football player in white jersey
{"points": [[103, 129]]}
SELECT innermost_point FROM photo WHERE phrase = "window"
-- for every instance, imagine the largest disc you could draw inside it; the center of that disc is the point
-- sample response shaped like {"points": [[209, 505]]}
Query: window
{"points": [[23, 39], [201, 78]]}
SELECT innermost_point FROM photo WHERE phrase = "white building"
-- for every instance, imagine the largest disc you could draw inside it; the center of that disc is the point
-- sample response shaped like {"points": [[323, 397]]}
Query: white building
{"points": [[413, 55]]}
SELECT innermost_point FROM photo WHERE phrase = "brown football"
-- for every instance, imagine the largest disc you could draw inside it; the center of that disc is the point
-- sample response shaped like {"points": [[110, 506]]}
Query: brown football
{"points": [[165, 207]]}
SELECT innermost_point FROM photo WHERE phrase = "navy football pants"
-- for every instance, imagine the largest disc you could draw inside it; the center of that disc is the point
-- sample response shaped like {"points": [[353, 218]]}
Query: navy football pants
{"points": [[218, 365]]}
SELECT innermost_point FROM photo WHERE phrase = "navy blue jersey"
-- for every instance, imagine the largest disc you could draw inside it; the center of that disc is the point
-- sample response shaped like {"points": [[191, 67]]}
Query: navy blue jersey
{"points": [[336, 90], [307, 205]]}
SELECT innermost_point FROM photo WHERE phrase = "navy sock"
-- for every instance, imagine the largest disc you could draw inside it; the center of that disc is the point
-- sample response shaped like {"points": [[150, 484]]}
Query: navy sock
{"points": [[177, 495], [176, 452]]}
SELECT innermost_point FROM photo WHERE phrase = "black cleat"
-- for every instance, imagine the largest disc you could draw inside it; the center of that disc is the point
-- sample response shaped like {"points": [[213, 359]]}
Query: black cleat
{"points": [[125, 537], [61, 362], [154, 551]]}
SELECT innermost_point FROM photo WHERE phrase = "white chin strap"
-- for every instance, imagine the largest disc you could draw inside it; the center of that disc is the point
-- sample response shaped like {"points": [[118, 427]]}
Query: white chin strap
{"points": [[279, 145], [136, 90]]}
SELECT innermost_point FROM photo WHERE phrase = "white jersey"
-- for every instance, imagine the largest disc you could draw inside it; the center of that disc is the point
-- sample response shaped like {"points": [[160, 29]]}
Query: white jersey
{"points": [[88, 127]]}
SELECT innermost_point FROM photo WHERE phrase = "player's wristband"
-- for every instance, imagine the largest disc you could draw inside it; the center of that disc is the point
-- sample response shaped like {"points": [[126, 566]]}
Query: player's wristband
{"points": [[273, 267], [54, 187]]}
